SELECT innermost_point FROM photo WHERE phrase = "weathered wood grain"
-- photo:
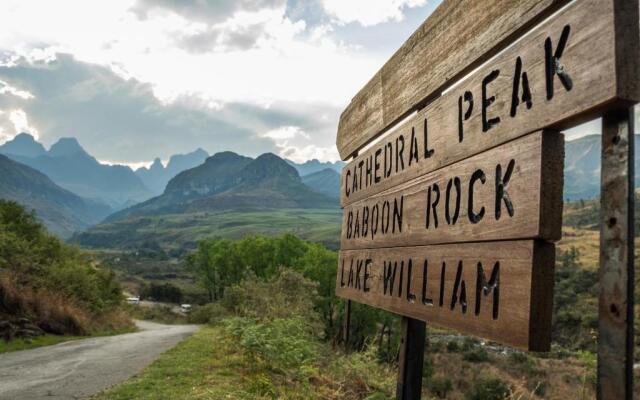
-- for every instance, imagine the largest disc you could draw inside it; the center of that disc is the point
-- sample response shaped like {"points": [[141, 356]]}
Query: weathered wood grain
{"points": [[589, 57], [456, 38], [510, 192], [513, 305]]}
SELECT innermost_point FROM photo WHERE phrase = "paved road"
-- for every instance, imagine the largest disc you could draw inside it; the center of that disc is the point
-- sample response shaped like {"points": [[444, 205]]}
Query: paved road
{"points": [[79, 369]]}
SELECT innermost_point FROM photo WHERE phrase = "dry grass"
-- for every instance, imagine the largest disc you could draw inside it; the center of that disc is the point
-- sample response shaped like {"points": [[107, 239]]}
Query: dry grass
{"points": [[43, 305]]}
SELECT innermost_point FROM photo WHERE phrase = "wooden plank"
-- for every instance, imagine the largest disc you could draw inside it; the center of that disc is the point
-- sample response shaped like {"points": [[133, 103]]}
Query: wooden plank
{"points": [[501, 291], [432, 139], [510, 192], [411, 359], [457, 37], [616, 272]]}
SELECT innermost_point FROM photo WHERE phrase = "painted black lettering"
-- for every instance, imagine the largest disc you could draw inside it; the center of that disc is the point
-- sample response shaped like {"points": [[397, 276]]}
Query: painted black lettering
{"points": [[342, 274], [468, 98], [501, 192], [451, 220], [347, 192], [358, 272], [350, 225], [473, 217], [401, 278], [411, 298], [365, 221], [488, 123], [397, 214], [413, 149], [388, 165], [356, 225], [375, 214], [519, 77], [553, 66], [400, 153], [376, 177], [367, 275], [427, 152], [432, 205], [386, 210], [369, 171], [350, 280], [459, 285], [425, 269], [389, 277], [484, 288]]}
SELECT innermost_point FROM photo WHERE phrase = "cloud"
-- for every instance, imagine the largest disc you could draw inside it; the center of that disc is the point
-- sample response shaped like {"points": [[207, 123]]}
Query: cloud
{"points": [[295, 144], [208, 11], [369, 12], [121, 120]]}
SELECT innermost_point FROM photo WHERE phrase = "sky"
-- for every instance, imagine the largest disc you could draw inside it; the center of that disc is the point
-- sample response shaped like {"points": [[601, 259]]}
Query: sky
{"points": [[137, 79]]}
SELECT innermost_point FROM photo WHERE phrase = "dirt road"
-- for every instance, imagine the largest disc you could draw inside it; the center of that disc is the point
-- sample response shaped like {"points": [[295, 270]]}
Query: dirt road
{"points": [[79, 369]]}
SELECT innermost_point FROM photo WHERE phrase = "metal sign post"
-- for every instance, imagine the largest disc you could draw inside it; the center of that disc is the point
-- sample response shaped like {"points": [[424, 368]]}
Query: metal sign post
{"points": [[616, 273]]}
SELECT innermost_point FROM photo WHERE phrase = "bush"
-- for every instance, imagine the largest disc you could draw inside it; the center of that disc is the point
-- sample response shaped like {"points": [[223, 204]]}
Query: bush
{"points": [[45, 280], [165, 292], [283, 345], [487, 389], [453, 346], [207, 314], [478, 354], [439, 386]]}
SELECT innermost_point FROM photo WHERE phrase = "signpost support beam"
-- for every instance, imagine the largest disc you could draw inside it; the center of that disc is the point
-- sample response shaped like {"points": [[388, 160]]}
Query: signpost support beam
{"points": [[411, 359], [346, 326], [616, 273]]}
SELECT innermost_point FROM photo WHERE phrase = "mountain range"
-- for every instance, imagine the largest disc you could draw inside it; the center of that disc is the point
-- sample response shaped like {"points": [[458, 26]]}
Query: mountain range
{"points": [[156, 177], [582, 167], [68, 165], [227, 180], [61, 211], [313, 166]]}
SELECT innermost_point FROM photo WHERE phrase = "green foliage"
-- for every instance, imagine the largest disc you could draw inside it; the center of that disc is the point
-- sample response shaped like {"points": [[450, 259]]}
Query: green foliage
{"points": [[477, 354], [440, 386], [487, 389], [575, 320], [34, 259], [207, 314], [285, 345]]}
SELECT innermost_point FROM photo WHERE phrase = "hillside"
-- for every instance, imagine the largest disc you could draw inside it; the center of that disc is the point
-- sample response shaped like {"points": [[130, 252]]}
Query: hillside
{"points": [[326, 182], [228, 181], [71, 167], [61, 211]]}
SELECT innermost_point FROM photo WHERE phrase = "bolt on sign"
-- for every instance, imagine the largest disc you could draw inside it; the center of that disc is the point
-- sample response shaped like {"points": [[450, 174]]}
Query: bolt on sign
{"points": [[453, 198]]}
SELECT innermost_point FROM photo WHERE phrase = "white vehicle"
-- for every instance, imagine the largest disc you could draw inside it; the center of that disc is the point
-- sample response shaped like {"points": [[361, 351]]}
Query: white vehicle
{"points": [[185, 308], [133, 300]]}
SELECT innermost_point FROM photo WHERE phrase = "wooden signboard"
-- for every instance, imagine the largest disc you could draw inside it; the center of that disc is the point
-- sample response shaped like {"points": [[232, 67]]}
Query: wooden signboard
{"points": [[501, 292], [516, 93], [510, 192], [453, 193]]}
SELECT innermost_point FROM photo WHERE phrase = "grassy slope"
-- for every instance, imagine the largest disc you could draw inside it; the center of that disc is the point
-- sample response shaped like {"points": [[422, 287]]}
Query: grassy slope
{"points": [[206, 366], [171, 231]]}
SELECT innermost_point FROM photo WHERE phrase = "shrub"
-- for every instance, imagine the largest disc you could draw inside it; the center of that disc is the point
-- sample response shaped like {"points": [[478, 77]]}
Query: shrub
{"points": [[439, 386], [283, 345], [478, 354], [487, 389], [452, 346], [207, 314], [47, 281]]}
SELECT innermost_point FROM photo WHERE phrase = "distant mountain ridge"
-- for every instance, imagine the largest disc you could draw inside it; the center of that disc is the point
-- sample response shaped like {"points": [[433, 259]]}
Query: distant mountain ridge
{"points": [[157, 175], [582, 167], [71, 167], [314, 165], [230, 181], [62, 212], [326, 181]]}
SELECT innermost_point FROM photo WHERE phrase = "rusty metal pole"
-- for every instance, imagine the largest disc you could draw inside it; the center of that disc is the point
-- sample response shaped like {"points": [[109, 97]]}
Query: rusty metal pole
{"points": [[616, 272]]}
